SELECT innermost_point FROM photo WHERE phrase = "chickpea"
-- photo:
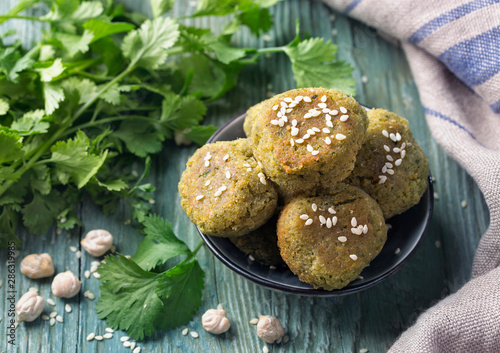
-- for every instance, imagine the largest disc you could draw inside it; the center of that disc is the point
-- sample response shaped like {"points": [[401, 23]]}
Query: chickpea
{"points": [[37, 266], [269, 329], [97, 242], [29, 306], [65, 285], [215, 321]]}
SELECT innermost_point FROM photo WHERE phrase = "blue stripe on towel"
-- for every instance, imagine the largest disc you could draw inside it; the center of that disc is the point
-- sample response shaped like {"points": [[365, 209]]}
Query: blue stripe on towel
{"points": [[495, 107], [352, 5], [475, 60], [448, 119], [448, 17]]}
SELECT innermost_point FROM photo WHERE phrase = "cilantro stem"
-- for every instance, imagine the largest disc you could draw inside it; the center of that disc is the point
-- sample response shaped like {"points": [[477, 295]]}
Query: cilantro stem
{"points": [[198, 247], [32, 18], [105, 121], [270, 50]]}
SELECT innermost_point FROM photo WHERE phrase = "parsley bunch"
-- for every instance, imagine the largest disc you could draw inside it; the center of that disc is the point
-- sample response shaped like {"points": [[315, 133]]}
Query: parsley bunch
{"points": [[104, 87], [136, 298]]}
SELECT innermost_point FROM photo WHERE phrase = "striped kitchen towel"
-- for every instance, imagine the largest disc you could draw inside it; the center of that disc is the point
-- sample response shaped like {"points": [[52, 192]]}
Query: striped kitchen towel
{"points": [[453, 47]]}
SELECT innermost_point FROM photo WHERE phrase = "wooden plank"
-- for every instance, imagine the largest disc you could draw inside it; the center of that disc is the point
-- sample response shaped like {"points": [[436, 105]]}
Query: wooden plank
{"points": [[371, 319]]}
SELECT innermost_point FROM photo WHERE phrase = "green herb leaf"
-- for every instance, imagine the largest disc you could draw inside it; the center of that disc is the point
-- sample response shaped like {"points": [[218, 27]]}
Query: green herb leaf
{"points": [[182, 112], [181, 290], [159, 7], [39, 214], [49, 73], [159, 245], [128, 299], [146, 46], [75, 43], [113, 185], [31, 123], [4, 106], [101, 29], [10, 147], [313, 65], [199, 134], [73, 160], [53, 95], [141, 138]]}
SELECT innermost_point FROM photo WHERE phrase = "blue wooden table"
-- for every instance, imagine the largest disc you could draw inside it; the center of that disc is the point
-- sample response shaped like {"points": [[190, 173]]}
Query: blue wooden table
{"points": [[371, 320]]}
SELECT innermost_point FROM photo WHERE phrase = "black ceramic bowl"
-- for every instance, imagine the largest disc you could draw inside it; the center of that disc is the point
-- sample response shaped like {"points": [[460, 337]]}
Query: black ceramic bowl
{"points": [[405, 233]]}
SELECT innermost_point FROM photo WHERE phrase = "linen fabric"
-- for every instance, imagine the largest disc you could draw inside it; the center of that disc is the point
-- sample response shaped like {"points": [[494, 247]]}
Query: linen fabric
{"points": [[453, 48]]}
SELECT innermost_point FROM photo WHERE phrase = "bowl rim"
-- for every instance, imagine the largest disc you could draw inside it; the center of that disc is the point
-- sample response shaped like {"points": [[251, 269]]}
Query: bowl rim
{"points": [[349, 289]]}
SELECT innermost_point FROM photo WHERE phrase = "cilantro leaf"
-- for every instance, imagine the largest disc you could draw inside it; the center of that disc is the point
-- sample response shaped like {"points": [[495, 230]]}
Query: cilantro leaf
{"points": [[11, 62], [39, 214], [128, 299], [257, 20], [313, 65], [182, 112], [113, 185], [31, 123], [101, 29], [181, 289], [10, 147], [146, 46], [75, 43], [83, 89], [159, 245], [140, 138], [4, 106], [47, 74], [72, 160], [53, 95], [159, 7], [223, 50], [8, 224], [199, 134]]}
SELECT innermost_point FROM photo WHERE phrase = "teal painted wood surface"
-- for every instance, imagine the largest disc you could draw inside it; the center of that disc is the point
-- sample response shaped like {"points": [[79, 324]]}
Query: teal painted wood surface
{"points": [[372, 319]]}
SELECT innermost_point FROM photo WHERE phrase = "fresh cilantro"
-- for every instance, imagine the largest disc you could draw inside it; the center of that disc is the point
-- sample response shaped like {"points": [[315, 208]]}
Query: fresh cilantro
{"points": [[160, 7], [47, 74], [137, 300]]}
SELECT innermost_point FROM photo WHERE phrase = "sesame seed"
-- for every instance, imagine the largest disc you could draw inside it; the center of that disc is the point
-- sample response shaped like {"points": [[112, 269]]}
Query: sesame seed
{"points": [[384, 169], [124, 338], [389, 158], [53, 314], [354, 222], [207, 182], [280, 114], [322, 105], [265, 349], [45, 317], [327, 140], [225, 158], [251, 258], [263, 180], [342, 239], [78, 254], [390, 171], [304, 217], [51, 301], [437, 244], [261, 175], [94, 268], [382, 178], [89, 295], [185, 331], [272, 267], [68, 308], [293, 104], [307, 115], [403, 153], [199, 197], [397, 251], [299, 141], [398, 162], [354, 257], [326, 110], [315, 129], [387, 148], [323, 99], [281, 123], [309, 222], [403, 145], [326, 130], [275, 122], [314, 153], [396, 150], [207, 156], [356, 231], [331, 210], [298, 99], [275, 107], [87, 274], [307, 99], [294, 122], [72, 249], [328, 117], [343, 110], [365, 229], [464, 204], [292, 142], [294, 131], [314, 207], [254, 321], [398, 136], [344, 117], [385, 133], [329, 223], [284, 105], [388, 164], [244, 164], [315, 113], [340, 137], [334, 220], [96, 275], [132, 346], [334, 112], [249, 169], [284, 118], [52, 322], [364, 79], [59, 318], [329, 123], [137, 350], [207, 163], [194, 334], [322, 219], [393, 137], [110, 330], [91, 336], [107, 335], [228, 174], [127, 344], [363, 350], [310, 148], [288, 100]]}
